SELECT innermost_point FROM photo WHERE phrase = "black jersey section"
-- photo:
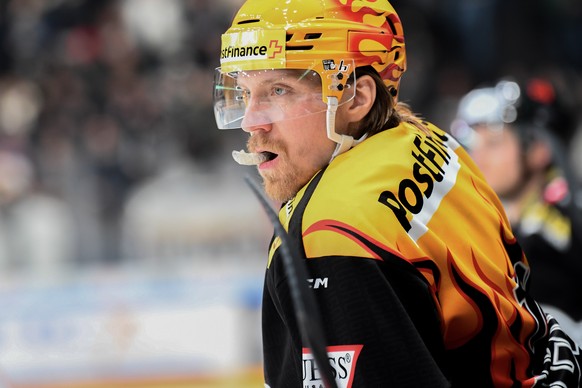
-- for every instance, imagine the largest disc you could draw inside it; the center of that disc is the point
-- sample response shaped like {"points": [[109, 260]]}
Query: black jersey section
{"points": [[385, 305]]}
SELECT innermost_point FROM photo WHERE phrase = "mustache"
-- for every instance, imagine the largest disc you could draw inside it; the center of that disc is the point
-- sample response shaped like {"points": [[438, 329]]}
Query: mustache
{"points": [[262, 142]]}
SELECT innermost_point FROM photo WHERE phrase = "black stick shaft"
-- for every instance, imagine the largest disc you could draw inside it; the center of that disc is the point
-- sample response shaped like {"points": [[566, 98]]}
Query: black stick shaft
{"points": [[306, 311]]}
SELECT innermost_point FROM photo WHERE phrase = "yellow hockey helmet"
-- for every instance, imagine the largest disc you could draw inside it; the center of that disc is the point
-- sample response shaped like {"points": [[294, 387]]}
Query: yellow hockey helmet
{"points": [[318, 33]]}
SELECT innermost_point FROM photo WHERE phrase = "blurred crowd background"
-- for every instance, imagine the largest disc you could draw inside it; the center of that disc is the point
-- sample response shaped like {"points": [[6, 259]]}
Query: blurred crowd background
{"points": [[109, 154], [104, 103], [108, 147]]}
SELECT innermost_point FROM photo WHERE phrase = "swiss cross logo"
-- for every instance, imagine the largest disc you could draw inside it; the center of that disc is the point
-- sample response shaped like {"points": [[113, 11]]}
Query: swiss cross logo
{"points": [[278, 49], [343, 361]]}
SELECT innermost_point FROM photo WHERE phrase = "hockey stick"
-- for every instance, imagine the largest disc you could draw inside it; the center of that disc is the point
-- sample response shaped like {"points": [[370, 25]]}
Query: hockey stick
{"points": [[306, 311]]}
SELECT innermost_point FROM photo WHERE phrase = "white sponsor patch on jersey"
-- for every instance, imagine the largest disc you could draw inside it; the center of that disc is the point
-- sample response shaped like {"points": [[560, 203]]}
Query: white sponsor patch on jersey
{"points": [[343, 360], [441, 189]]}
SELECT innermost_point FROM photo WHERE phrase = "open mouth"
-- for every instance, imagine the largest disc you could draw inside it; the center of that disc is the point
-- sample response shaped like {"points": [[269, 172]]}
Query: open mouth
{"points": [[252, 158], [269, 155]]}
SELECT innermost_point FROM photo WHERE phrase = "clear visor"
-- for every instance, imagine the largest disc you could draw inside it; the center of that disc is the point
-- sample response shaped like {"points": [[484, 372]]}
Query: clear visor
{"points": [[245, 99]]}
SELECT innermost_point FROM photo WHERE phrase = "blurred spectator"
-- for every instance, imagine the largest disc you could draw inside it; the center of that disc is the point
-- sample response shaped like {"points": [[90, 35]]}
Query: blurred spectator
{"points": [[517, 133], [157, 26], [36, 229]]}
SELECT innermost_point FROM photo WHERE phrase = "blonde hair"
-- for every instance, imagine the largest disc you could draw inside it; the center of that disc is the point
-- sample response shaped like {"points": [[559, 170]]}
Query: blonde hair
{"points": [[385, 112], [406, 115]]}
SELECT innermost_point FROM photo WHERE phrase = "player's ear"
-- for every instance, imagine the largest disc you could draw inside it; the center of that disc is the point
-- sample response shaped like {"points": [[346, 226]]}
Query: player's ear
{"points": [[363, 100]]}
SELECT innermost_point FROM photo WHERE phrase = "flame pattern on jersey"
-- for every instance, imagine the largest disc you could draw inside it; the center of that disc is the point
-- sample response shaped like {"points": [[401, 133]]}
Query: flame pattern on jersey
{"points": [[487, 346], [475, 267]]}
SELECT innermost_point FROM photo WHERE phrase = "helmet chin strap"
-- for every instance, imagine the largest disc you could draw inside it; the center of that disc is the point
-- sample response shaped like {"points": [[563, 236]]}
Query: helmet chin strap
{"points": [[344, 142]]}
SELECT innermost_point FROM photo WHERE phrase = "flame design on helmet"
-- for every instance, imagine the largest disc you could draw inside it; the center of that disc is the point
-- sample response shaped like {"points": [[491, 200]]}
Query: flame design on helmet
{"points": [[382, 46], [367, 32]]}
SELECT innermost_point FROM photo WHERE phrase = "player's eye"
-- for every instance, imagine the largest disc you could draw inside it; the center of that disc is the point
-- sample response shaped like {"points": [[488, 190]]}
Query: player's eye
{"points": [[280, 91]]}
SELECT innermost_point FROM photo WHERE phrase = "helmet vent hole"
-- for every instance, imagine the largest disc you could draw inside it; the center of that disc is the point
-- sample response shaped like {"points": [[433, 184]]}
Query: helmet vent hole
{"points": [[313, 36], [299, 48], [249, 21]]}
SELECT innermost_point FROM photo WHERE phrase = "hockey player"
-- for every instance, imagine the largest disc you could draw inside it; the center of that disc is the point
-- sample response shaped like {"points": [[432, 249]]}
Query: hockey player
{"points": [[517, 133], [410, 256]]}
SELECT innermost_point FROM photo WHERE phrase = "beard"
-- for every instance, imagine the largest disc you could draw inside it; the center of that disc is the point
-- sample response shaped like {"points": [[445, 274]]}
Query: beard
{"points": [[281, 186]]}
